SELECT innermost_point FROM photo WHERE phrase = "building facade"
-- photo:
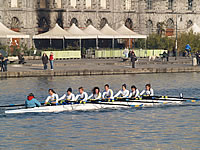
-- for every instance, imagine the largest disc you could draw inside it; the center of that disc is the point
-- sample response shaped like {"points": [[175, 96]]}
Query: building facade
{"points": [[142, 16]]}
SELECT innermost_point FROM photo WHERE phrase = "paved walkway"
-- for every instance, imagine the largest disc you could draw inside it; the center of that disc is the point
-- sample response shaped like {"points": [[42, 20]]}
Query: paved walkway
{"points": [[99, 66]]}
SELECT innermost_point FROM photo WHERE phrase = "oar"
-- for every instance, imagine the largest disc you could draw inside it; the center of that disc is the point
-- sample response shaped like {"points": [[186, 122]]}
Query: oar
{"points": [[15, 105], [168, 98]]}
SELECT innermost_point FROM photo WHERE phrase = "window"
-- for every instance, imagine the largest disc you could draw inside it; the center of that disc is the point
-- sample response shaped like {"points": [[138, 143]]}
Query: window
{"points": [[103, 4], [129, 23], [190, 4], [73, 3], [74, 21], [189, 23], [89, 22], [103, 22], [170, 27], [149, 27], [127, 4], [149, 4], [58, 3], [88, 3], [170, 4], [42, 3], [14, 3]]}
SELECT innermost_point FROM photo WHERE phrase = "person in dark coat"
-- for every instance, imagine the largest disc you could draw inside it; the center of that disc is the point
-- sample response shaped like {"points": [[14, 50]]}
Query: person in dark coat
{"points": [[1, 62], [45, 60], [133, 58]]}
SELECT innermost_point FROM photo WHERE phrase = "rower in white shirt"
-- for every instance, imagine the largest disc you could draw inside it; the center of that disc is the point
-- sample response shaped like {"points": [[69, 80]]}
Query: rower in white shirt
{"points": [[52, 98], [69, 96], [96, 94], [123, 93], [108, 93], [135, 93], [82, 96], [148, 91]]}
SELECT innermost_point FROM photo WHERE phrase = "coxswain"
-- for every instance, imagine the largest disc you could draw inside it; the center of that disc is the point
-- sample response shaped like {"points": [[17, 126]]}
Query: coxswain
{"points": [[52, 98], [96, 94], [123, 93], [32, 102], [69, 96], [135, 93], [148, 91], [82, 96], [108, 93]]}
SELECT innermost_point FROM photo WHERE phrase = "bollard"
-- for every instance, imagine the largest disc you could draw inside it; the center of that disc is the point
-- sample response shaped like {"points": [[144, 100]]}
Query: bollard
{"points": [[194, 61]]}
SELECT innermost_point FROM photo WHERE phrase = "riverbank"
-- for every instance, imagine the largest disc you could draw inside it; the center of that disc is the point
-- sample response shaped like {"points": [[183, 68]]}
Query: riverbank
{"points": [[82, 67]]}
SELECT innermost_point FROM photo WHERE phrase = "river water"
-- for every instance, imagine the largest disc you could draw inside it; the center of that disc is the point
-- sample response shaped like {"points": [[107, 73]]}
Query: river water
{"points": [[176, 127]]}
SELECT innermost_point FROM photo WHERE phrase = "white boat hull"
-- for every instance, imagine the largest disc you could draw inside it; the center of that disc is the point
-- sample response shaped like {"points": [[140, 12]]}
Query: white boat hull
{"points": [[83, 107]]}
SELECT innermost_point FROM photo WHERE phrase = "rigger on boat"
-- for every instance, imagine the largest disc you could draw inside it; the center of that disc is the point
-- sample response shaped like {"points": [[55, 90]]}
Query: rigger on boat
{"points": [[123, 99]]}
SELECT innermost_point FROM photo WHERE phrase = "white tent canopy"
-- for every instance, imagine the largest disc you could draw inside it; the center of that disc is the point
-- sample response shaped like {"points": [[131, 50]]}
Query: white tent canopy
{"points": [[76, 33], [125, 32], [108, 32], [56, 33], [7, 33], [195, 28], [92, 32]]}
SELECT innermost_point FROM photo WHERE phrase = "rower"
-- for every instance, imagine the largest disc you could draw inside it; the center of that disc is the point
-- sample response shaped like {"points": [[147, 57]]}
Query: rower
{"points": [[53, 97], [123, 93], [108, 93], [96, 95], [148, 91], [135, 93], [69, 96], [82, 96], [32, 102]]}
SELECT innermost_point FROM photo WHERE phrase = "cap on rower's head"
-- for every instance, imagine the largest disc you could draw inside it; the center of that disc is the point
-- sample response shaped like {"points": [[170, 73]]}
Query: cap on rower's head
{"points": [[69, 90], [31, 94], [106, 85], [133, 87], [124, 85], [149, 85]]}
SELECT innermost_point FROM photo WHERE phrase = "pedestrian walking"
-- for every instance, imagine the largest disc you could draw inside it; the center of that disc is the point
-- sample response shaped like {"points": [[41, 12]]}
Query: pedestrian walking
{"points": [[45, 60], [51, 59], [133, 58]]}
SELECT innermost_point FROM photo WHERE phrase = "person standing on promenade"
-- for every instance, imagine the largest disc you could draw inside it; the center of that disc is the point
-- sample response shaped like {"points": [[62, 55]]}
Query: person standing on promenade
{"points": [[1, 61], [45, 60], [133, 58], [51, 59]]}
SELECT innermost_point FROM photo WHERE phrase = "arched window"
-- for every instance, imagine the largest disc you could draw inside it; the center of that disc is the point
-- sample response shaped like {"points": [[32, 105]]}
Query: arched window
{"points": [[15, 23], [170, 27], [59, 22], [103, 22], [160, 28], [129, 23], [190, 4], [89, 22], [43, 25], [149, 27], [189, 23], [14, 3], [149, 4], [74, 21], [43, 4], [170, 4]]}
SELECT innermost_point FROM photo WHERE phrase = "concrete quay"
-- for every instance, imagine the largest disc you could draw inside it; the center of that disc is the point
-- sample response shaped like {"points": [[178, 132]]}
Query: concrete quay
{"points": [[98, 67]]}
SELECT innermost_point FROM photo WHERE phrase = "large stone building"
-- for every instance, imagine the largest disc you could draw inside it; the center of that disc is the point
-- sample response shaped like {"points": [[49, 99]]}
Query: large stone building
{"points": [[143, 16]]}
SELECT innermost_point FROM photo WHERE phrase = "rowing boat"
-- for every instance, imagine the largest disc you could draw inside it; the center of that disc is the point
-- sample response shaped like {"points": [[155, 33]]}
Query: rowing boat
{"points": [[86, 107]]}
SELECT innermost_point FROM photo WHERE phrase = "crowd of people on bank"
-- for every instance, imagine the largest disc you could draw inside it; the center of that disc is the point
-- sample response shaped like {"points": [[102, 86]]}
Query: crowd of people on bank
{"points": [[83, 96]]}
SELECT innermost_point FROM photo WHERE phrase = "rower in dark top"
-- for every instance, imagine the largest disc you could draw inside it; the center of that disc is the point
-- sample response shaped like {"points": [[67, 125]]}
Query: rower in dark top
{"points": [[135, 93]]}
